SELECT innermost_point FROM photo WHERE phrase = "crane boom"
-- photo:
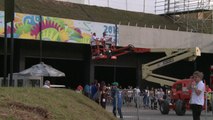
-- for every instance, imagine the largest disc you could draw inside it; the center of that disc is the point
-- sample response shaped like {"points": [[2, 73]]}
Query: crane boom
{"points": [[172, 56]]}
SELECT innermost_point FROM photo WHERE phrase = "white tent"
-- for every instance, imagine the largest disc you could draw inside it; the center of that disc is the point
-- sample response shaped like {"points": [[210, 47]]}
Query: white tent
{"points": [[42, 70]]}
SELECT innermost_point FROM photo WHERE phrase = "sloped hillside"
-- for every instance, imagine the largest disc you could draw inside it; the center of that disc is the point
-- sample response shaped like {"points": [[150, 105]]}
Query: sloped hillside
{"points": [[90, 13], [48, 104]]}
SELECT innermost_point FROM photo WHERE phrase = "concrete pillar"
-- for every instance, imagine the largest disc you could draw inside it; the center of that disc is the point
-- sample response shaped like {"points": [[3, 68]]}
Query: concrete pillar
{"points": [[92, 72], [139, 71]]}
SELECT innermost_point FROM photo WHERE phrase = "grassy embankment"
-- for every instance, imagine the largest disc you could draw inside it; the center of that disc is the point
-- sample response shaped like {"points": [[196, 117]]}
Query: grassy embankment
{"points": [[48, 104]]}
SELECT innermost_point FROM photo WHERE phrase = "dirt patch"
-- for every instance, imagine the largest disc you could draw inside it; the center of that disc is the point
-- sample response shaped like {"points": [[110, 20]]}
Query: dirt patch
{"points": [[20, 111]]}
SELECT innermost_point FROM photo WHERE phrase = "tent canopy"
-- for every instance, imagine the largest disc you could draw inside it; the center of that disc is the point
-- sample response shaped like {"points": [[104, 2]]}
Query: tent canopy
{"points": [[42, 70]]}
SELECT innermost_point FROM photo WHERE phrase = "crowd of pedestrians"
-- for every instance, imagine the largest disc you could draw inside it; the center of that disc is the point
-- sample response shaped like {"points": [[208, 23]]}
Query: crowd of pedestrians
{"points": [[113, 94], [148, 98], [104, 94]]}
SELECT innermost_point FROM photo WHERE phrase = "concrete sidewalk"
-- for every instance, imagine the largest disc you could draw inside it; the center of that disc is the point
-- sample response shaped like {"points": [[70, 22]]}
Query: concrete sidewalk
{"points": [[130, 113]]}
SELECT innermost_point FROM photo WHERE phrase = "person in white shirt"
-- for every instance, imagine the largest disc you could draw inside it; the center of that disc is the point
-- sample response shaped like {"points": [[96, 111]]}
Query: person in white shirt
{"points": [[107, 41], [197, 97], [46, 84], [93, 39], [136, 96]]}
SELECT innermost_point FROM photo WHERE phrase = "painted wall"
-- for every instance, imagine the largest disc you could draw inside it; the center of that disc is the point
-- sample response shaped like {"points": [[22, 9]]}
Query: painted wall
{"points": [[160, 38]]}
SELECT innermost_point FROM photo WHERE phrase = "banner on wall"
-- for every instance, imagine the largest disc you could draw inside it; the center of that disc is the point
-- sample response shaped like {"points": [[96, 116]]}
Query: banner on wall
{"points": [[57, 29], [23, 26], [1, 24]]}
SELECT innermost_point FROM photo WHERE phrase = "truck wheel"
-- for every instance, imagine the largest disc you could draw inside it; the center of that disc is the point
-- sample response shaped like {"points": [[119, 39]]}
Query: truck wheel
{"points": [[164, 107], [180, 107]]}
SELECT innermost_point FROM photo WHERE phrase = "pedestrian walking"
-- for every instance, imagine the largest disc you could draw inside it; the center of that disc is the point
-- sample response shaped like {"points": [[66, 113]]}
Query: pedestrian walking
{"points": [[117, 99]]}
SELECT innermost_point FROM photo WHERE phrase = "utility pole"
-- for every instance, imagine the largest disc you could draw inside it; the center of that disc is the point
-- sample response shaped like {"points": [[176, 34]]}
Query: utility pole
{"points": [[212, 23], [144, 2], [9, 17], [126, 5]]}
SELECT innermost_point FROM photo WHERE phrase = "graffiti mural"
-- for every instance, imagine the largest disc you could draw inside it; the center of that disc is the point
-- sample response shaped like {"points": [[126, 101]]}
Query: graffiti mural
{"points": [[63, 30], [1, 23], [23, 25], [56, 29]]}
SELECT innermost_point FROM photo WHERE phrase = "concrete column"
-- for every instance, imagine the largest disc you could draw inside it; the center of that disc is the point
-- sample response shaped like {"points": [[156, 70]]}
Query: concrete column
{"points": [[21, 61], [92, 72], [139, 71]]}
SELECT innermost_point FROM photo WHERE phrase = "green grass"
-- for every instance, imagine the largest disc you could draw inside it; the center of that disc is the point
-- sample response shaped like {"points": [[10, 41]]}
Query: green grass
{"points": [[55, 104]]}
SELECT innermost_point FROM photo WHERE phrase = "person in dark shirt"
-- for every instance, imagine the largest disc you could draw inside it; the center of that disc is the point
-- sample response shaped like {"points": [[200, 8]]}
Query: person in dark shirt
{"points": [[103, 96], [117, 99]]}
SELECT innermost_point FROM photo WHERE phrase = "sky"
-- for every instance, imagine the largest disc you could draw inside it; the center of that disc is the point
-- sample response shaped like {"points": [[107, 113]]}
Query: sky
{"points": [[149, 6], [137, 5]]}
